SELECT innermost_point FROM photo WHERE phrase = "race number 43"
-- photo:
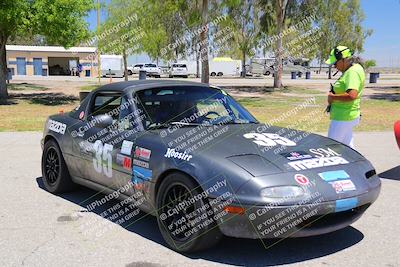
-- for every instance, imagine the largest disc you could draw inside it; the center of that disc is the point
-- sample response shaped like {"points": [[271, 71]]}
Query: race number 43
{"points": [[102, 161], [269, 139]]}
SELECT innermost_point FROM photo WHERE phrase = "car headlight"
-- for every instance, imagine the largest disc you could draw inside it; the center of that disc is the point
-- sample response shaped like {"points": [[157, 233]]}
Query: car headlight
{"points": [[290, 191]]}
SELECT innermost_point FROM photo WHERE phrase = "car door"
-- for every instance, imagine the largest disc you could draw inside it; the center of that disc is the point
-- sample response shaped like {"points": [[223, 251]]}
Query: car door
{"points": [[93, 141], [127, 130]]}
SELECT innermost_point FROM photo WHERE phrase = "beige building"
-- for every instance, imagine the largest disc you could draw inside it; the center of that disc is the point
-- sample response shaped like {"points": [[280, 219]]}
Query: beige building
{"points": [[51, 60]]}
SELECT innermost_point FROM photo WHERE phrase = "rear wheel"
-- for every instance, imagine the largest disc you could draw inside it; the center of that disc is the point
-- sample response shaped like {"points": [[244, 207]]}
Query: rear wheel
{"points": [[55, 173], [220, 74], [177, 222], [213, 74]]}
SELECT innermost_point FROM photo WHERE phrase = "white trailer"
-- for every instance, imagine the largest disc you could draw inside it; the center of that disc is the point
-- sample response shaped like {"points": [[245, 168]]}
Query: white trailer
{"points": [[219, 66], [223, 66], [112, 65]]}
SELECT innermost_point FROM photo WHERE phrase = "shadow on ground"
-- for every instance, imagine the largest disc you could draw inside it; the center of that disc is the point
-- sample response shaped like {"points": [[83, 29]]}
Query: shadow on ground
{"points": [[232, 251], [47, 99], [390, 93], [25, 86]]}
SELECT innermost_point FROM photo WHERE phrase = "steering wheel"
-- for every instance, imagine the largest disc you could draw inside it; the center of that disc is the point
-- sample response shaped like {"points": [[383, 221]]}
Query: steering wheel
{"points": [[204, 116]]}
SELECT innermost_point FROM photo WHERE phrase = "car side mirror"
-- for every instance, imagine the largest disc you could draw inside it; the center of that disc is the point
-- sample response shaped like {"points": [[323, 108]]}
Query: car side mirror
{"points": [[102, 121]]}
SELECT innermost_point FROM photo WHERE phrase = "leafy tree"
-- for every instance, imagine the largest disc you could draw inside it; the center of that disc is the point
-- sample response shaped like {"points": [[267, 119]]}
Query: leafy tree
{"points": [[122, 29], [278, 16], [59, 21], [369, 64], [242, 20], [341, 24]]}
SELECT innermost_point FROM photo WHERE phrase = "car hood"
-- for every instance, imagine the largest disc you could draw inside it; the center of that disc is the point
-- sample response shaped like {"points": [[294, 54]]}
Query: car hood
{"points": [[259, 149], [241, 153]]}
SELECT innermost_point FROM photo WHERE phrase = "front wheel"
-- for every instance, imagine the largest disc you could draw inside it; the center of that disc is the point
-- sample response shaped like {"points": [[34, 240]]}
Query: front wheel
{"points": [[55, 173], [178, 211]]}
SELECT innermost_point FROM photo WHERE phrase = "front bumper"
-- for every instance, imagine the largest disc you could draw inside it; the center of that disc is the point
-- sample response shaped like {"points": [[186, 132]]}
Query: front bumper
{"points": [[296, 221]]}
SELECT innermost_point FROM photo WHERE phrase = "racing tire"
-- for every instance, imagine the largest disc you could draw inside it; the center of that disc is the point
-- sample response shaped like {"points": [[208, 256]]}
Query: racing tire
{"points": [[267, 73], [220, 74], [130, 72], [213, 74], [175, 189], [55, 174]]}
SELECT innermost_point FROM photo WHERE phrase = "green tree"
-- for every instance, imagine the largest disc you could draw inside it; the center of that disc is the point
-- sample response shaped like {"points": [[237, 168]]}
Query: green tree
{"points": [[242, 20], [59, 21], [276, 18], [123, 32], [369, 64], [341, 24]]}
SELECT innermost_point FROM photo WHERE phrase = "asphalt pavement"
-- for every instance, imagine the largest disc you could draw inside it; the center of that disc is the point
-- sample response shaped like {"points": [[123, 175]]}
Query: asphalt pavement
{"points": [[41, 229]]}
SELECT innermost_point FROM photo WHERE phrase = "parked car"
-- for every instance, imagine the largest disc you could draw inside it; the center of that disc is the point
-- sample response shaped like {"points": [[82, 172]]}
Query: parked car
{"points": [[178, 70], [152, 70], [136, 68]]}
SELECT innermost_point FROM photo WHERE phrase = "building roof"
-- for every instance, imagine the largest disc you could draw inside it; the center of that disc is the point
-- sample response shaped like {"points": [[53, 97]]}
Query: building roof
{"points": [[30, 48]]}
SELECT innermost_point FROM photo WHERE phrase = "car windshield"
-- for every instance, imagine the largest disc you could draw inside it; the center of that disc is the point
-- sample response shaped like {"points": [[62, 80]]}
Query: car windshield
{"points": [[179, 66], [150, 65], [188, 106], [139, 65]]}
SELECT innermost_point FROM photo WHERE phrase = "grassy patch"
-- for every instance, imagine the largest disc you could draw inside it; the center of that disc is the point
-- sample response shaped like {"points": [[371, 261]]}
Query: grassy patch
{"points": [[25, 86], [26, 116], [89, 88], [377, 115], [28, 112]]}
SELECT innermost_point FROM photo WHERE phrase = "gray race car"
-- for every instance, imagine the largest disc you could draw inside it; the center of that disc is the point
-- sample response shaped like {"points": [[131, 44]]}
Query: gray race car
{"points": [[190, 155]]}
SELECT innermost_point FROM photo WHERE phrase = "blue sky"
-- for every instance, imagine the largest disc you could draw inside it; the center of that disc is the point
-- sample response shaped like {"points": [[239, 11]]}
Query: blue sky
{"points": [[382, 16]]}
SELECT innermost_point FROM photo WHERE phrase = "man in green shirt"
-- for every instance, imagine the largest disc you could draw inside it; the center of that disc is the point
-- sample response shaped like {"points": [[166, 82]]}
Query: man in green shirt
{"points": [[346, 96]]}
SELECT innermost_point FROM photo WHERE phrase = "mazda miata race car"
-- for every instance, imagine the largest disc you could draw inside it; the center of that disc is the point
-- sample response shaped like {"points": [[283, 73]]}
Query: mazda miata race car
{"points": [[190, 155]]}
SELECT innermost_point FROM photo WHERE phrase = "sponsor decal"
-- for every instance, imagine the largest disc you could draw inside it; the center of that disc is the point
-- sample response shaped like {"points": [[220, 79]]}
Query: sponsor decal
{"points": [[301, 179], [297, 155], [324, 152], [269, 139], [81, 115], [56, 126], [305, 164], [142, 153], [126, 147], [141, 163], [127, 164], [333, 175], [140, 175], [172, 153], [124, 161], [346, 204], [342, 186]]}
